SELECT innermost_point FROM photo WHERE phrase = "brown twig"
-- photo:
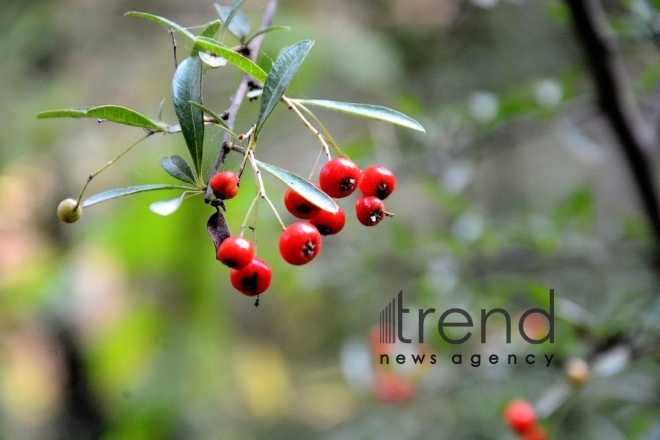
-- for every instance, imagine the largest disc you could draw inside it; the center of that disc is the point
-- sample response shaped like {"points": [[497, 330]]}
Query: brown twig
{"points": [[636, 137], [239, 96]]}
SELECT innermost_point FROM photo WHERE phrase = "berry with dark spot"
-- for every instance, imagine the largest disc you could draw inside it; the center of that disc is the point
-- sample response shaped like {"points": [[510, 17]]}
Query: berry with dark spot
{"points": [[300, 243], [339, 177]]}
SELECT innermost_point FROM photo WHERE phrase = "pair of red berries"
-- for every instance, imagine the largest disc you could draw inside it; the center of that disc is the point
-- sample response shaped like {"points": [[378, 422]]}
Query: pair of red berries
{"points": [[249, 274], [522, 419], [376, 184]]}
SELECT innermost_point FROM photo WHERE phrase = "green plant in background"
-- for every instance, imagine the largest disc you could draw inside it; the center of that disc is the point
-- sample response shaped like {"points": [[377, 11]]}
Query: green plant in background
{"points": [[209, 53]]}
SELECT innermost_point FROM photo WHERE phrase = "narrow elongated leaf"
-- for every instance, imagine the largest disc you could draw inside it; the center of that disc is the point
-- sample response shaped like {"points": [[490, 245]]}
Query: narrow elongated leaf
{"points": [[160, 109], [234, 20], [279, 77], [218, 229], [209, 31], [167, 207], [268, 29], [376, 112], [187, 86], [164, 21], [177, 167], [220, 123], [301, 186], [245, 64], [114, 113], [121, 192], [213, 61]]}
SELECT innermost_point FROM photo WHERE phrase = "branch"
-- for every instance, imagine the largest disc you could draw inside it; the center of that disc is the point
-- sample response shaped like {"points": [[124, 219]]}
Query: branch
{"points": [[253, 49], [636, 138]]}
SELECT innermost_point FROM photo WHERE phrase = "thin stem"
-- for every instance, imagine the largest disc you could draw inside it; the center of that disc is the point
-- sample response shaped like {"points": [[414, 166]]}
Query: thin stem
{"points": [[325, 131], [176, 64], [247, 215], [262, 191], [308, 125], [100, 170], [243, 162], [318, 159]]}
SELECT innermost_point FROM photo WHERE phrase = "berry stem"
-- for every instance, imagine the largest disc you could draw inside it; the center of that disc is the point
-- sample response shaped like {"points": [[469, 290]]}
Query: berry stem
{"points": [[247, 215], [325, 131], [318, 159], [100, 170], [317, 133], [261, 188]]}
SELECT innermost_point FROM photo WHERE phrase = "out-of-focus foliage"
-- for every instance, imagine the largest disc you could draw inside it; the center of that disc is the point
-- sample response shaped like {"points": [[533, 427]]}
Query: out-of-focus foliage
{"points": [[124, 325]]}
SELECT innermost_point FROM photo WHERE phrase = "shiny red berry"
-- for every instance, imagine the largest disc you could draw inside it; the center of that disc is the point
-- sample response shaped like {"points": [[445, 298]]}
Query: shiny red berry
{"points": [[378, 181], [300, 243], [339, 177], [328, 223], [252, 279], [521, 416], [298, 206], [370, 210], [236, 252], [225, 185]]}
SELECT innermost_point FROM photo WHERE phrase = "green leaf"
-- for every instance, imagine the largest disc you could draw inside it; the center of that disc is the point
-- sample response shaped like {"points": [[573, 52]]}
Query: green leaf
{"points": [[245, 64], [160, 109], [376, 112], [209, 31], [301, 186], [114, 113], [177, 167], [187, 86], [218, 120], [234, 20], [164, 21], [279, 77], [211, 60], [268, 29], [121, 192], [167, 207]]}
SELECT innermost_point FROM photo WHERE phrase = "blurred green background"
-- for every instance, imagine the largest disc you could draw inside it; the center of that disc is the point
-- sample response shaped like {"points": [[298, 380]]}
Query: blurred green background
{"points": [[124, 325]]}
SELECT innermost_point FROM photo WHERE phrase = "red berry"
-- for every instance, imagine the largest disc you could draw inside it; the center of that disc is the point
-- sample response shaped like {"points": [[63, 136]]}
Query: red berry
{"points": [[339, 177], [299, 206], [236, 252], [537, 433], [521, 416], [370, 210], [225, 185], [328, 223], [252, 279], [300, 243], [377, 181]]}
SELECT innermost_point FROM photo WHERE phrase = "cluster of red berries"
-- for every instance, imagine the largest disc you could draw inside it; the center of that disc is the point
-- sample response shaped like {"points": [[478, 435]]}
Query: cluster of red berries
{"points": [[300, 243], [339, 178], [522, 419]]}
